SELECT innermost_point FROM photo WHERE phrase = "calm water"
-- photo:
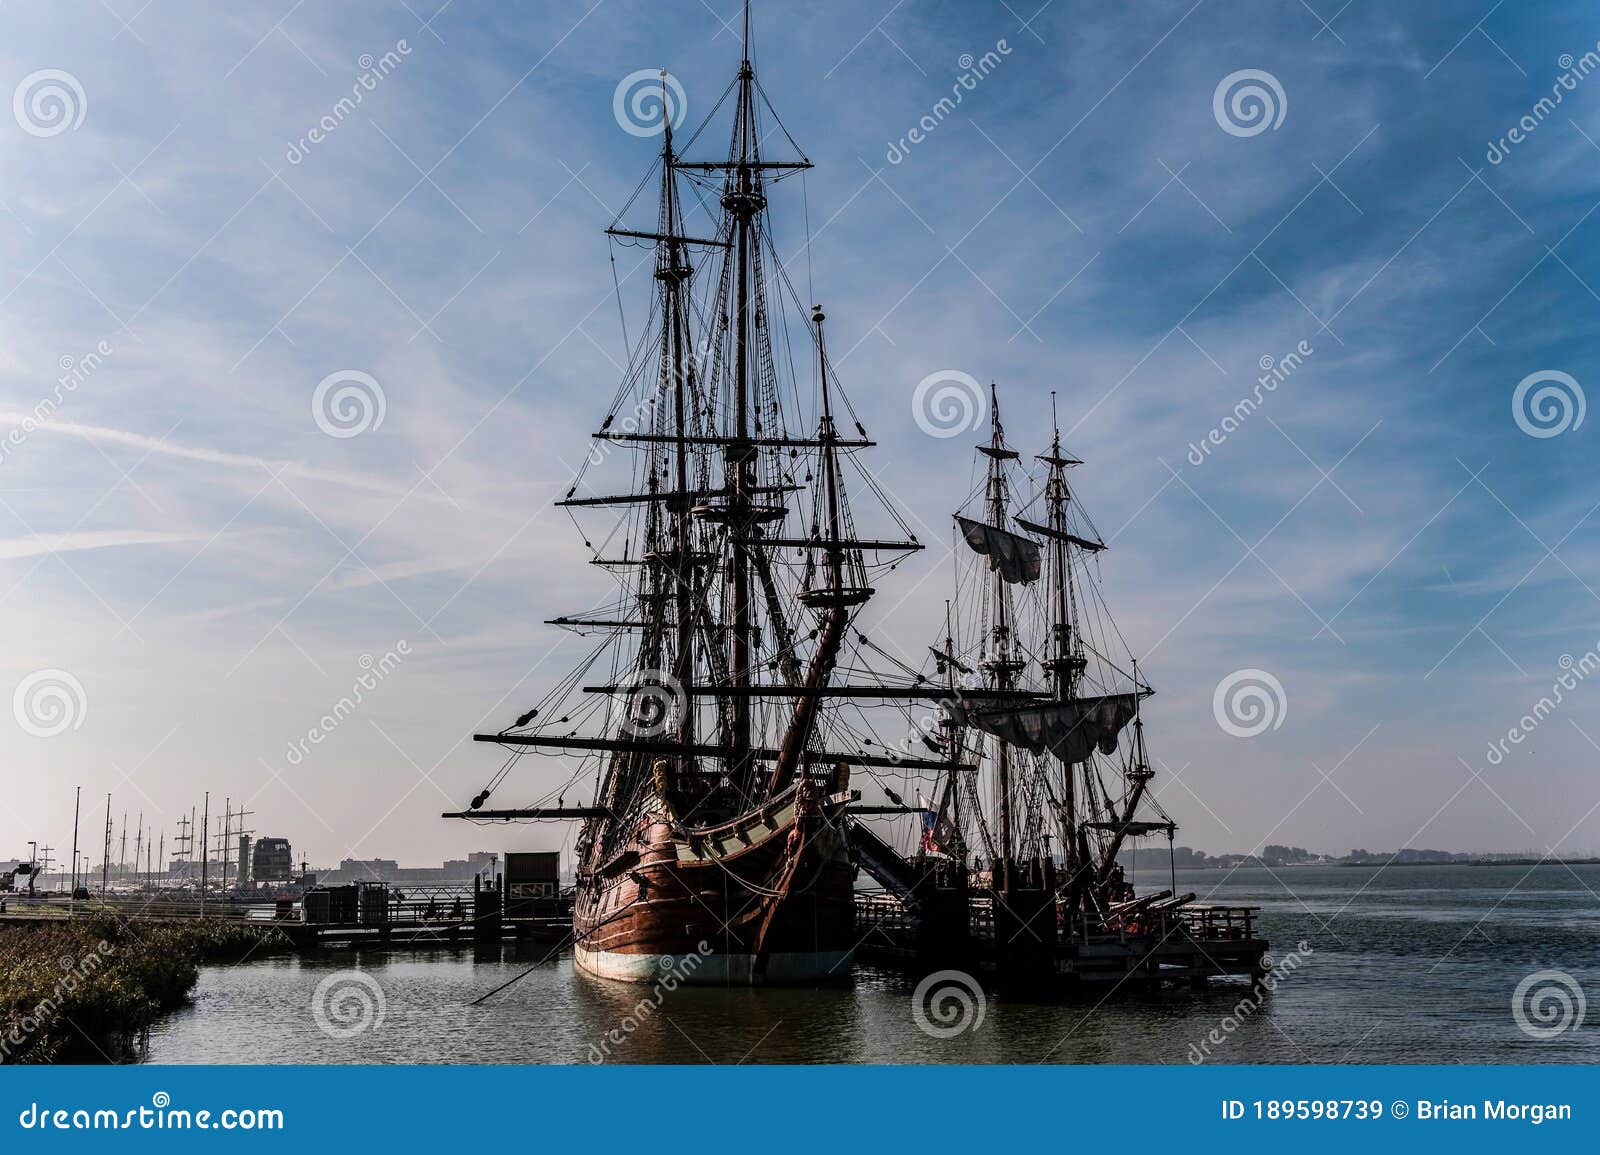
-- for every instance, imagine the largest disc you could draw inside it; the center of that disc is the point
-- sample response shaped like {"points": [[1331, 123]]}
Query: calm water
{"points": [[1414, 964]]}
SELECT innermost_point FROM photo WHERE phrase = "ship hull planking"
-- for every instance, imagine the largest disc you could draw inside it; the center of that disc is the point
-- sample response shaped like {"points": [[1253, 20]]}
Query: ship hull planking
{"points": [[766, 899]]}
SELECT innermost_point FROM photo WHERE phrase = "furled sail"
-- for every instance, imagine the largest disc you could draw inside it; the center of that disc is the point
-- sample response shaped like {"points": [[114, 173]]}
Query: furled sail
{"points": [[1069, 730], [1014, 557], [1062, 535], [1132, 829]]}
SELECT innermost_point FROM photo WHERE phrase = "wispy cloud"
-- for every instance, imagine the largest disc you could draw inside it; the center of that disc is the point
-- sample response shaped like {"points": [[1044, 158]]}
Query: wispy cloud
{"points": [[36, 545], [166, 447]]}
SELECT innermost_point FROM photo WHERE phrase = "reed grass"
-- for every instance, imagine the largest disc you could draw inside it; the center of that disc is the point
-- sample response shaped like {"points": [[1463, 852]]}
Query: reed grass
{"points": [[81, 990]]}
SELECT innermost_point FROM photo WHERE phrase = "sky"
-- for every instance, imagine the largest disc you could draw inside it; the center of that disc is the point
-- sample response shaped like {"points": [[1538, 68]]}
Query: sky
{"points": [[1351, 591]]}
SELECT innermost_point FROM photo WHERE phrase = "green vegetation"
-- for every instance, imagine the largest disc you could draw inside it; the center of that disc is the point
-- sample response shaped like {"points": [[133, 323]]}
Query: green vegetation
{"points": [[77, 990]]}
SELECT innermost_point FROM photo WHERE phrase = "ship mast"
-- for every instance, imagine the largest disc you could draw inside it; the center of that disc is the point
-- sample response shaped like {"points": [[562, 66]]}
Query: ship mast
{"points": [[1067, 661], [829, 437], [743, 198], [673, 271], [668, 572], [708, 563], [1001, 663]]}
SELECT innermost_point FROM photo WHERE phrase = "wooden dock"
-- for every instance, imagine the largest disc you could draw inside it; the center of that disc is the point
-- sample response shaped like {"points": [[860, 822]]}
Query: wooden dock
{"points": [[388, 923], [915, 923], [1188, 946]]}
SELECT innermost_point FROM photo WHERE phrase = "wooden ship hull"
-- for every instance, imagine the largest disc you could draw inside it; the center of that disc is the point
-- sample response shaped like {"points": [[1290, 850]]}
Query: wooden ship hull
{"points": [[766, 898]]}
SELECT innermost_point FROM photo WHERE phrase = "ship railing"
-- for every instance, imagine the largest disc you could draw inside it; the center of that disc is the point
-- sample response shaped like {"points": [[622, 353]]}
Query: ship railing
{"points": [[880, 910], [1202, 923], [1219, 923], [980, 917]]}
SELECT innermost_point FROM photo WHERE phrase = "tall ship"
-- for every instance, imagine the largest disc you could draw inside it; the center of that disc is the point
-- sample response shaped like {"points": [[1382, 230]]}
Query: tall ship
{"points": [[736, 690], [1048, 778], [723, 734]]}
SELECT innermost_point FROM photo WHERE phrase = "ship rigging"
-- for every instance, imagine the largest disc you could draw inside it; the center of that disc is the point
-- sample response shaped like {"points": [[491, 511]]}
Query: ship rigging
{"points": [[736, 688]]}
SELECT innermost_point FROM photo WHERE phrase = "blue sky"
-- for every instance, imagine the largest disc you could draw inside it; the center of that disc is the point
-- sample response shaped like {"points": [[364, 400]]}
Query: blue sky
{"points": [[1380, 535]]}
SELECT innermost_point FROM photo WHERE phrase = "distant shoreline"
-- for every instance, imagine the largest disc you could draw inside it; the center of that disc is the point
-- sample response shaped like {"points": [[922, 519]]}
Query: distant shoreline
{"points": [[1481, 862], [1408, 862]]}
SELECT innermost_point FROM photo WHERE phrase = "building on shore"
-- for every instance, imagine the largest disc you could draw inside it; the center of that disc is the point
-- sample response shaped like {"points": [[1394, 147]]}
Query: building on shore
{"points": [[479, 864], [271, 861]]}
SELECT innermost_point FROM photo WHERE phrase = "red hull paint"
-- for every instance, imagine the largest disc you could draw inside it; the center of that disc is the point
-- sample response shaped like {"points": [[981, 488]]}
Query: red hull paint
{"points": [[665, 902]]}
